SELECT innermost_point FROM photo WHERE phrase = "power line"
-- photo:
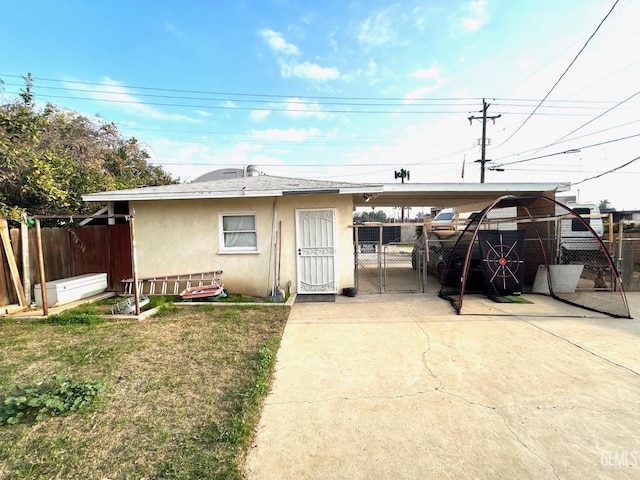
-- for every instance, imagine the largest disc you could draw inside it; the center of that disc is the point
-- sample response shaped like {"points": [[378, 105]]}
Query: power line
{"points": [[303, 111], [284, 101], [314, 110], [557, 141], [348, 101], [561, 76], [228, 107], [537, 149], [607, 172], [239, 94], [573, 150]]}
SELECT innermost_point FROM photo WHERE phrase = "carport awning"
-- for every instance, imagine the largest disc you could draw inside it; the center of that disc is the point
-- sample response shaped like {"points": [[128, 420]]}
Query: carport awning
{"points": [[451, 194]]}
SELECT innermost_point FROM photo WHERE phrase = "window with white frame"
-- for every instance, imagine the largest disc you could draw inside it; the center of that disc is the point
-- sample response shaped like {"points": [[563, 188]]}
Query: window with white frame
{"points": [[238, 232]]}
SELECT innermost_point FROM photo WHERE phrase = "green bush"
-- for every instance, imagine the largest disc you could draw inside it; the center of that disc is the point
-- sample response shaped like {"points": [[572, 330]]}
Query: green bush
{"points": [[56, 396]]}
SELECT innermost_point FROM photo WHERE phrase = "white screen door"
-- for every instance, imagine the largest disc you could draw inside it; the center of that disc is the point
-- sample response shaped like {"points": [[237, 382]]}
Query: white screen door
{"points": [[316, 251]]}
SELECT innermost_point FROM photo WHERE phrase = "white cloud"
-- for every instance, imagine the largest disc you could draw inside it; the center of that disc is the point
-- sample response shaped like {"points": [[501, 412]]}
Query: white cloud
{"points": [[381, 29], [229, 104], [115, 94], [309, 71], [376, 30], [433, 75], [373, 68], [287, 55], [202, 113], [476, 16], [296, 107], [333, 42], [278, 44], [288, 135], [259, 115]]}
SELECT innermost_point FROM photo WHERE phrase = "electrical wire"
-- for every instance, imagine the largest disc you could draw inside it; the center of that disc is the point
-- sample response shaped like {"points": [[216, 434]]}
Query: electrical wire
{"points": [[575, 58], [239, 94], [574, 150], [607, 172], [537, 149]]}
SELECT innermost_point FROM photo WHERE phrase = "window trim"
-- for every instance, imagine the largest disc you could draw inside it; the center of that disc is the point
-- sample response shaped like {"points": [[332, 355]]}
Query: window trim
{"points": [[222, 248]]}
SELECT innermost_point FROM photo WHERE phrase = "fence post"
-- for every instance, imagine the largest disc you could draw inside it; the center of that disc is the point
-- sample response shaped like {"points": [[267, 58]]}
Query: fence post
{"points": [[43, 280], [620, 231], [355, 259], [134, 263], [380, 279], [610, 224], [26, 273]]}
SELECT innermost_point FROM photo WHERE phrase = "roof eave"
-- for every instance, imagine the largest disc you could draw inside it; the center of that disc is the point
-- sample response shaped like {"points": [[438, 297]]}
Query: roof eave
{"points": [[116, 196]]}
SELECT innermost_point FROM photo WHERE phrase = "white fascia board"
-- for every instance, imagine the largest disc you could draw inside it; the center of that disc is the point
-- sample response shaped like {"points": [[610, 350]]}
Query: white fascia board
{"points": [[122, 196], [365, 189], [115, 197]]}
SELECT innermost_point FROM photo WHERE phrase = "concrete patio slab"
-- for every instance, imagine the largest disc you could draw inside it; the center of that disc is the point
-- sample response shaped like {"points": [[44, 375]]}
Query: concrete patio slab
{"points": [[398, 386]]}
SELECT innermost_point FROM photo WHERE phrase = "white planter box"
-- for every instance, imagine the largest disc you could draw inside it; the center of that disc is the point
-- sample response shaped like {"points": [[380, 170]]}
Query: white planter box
{"points": [[67, 290]]}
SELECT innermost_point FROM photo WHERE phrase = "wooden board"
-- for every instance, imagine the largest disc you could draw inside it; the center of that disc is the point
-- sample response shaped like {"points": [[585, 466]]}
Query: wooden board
{"points": [[11, 260]]}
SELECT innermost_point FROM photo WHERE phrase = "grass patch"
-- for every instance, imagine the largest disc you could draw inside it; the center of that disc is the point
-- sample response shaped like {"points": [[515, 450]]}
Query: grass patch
{"points": [[86, 314], [182, 393]]}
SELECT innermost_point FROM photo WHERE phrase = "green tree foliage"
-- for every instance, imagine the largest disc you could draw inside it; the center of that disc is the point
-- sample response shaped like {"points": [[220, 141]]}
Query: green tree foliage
{"points": [[50, 157], [605, 206], [372, 216]]}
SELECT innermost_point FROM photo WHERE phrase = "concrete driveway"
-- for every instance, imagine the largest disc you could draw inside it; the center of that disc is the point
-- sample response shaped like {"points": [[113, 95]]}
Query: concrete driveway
{"points": [[399, 387]]}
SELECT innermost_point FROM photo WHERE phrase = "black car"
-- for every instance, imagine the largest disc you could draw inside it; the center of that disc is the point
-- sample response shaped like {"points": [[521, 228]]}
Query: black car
{"points": [[439, 245]]}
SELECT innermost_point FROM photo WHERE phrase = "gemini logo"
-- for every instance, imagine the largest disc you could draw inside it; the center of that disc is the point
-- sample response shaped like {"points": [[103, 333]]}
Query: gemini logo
{"points": [[619, 458]]}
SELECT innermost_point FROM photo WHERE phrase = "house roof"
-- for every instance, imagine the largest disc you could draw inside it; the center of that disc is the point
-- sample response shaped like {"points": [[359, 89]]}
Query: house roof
{"points": [[370, 195], [251, 186], [471, 195]]}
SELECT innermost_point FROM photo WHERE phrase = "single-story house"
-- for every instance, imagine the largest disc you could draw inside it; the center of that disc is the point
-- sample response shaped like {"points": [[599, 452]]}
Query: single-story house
{"points": [[259, 228]]}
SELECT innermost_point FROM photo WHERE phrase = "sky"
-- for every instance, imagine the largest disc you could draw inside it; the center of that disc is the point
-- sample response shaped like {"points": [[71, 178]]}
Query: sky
{"points": [[350, 90]]}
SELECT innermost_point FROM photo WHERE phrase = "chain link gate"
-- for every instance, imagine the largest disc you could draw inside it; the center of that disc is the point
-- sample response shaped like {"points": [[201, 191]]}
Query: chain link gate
{"points": [[387, 268], [392, 261]]}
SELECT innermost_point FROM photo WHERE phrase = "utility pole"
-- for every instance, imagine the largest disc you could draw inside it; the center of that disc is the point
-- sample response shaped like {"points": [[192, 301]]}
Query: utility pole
{"points": [[483, 159]]}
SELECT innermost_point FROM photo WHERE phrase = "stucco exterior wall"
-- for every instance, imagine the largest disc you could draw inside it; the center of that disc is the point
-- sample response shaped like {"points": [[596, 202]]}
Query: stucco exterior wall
{"points": [[182, 236]]}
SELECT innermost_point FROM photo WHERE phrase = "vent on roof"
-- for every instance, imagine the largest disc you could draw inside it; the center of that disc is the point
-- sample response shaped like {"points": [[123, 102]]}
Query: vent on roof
{"points": [[224, 173], [252, 171]]}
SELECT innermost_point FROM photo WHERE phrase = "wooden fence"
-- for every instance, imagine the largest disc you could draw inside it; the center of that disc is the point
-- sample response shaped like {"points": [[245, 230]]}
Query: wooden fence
{"points": [[69, 252]]}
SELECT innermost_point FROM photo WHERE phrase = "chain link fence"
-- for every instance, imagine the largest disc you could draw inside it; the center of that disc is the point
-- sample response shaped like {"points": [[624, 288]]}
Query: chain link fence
{"points": [[383, 256], [396, 259], [399, 259], [626, 253]]}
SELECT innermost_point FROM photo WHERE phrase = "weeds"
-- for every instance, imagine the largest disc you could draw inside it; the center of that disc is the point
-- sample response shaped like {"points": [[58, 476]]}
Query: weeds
{"points": [[55, 396]]}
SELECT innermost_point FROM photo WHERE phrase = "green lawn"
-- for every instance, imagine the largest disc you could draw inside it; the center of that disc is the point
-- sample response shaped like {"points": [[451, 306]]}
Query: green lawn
{"points": [[182, 393]]}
